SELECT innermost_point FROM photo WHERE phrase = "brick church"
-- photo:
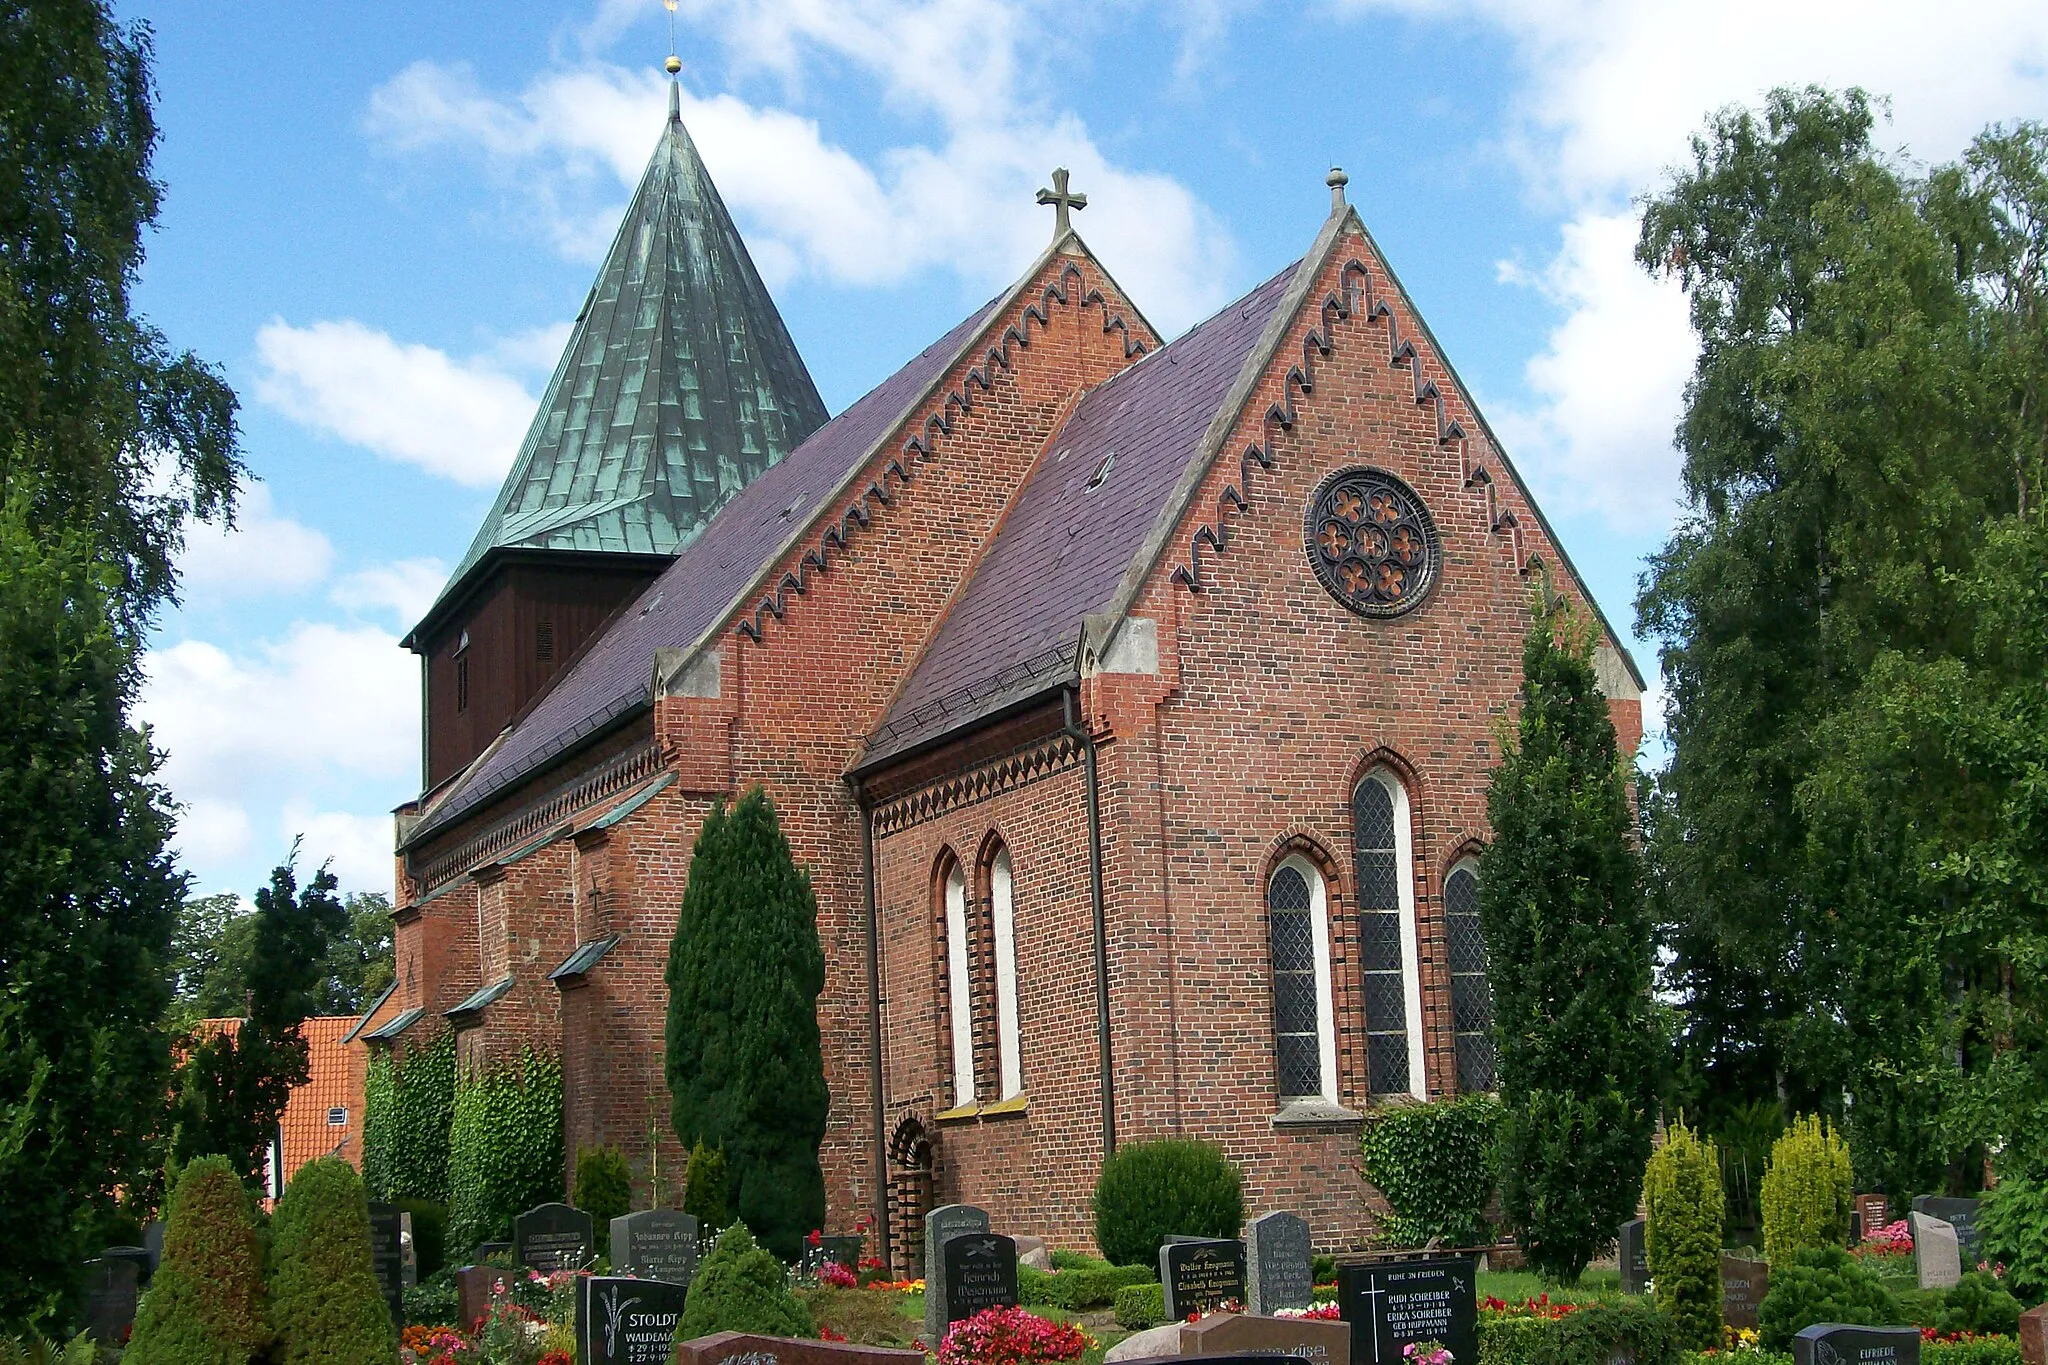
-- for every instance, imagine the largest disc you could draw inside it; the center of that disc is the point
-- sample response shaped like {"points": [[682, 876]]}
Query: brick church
{"points": [[1131, 704]]}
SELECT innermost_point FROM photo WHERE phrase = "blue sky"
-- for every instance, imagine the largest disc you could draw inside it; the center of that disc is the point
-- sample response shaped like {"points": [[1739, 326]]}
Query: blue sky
{"points": [[380, 218]]}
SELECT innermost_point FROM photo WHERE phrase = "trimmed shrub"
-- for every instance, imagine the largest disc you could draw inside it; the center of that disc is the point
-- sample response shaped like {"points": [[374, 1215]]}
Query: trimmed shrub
{"points": [[1978, 1304], [2012, 1223], [1682, 1234], [1083, 1287], [205, 1304], [325, 1306], [505, 1148], [1149, 1191], [1141, 1306], [429, 1232], [1510, 1339], [1808, 1190], [741, 1287], [1592, 1334], [1821, 1284], [604, 1184], [1435, 1165], [1976, 1351], [706, 1192]]}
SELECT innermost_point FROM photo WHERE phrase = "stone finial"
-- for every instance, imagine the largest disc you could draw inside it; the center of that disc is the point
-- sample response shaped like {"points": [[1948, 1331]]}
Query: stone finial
{"points": [[1337, 180]]}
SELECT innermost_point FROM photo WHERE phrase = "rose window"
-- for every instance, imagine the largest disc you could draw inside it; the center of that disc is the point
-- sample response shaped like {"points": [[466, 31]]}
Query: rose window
{"points": [[1372, 542]]}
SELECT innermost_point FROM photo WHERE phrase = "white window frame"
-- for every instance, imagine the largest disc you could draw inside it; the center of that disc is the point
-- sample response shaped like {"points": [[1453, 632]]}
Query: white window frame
{"points": [[1411, 946], [1326, 1002], [958, 986], [1002, 890]]}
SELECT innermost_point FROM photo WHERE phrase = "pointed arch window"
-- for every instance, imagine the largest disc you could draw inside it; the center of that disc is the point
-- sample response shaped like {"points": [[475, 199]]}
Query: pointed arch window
{"points": [[1003, 920], [1304, 1030], [1471, 995], [959, 986], [1384, 842]]}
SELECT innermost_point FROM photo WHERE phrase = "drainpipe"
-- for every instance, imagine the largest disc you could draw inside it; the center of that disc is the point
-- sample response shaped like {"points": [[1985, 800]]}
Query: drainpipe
{"points": [[1070, 699], [867, 863]]}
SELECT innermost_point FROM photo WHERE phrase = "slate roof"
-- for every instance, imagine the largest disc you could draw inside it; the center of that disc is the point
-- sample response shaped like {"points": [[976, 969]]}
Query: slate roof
{"points": [[706, 580], [678, 387], [1066, 545]]}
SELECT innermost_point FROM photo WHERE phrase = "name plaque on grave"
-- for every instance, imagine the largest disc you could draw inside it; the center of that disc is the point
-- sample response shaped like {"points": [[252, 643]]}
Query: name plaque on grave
{"points": [[1632, 1254], [1743, 1286], [1200, 1274], [387, 1258], [1874, 1212], [655, 1244], [941, 1226], [1279, 1263], [623, 1321], [1395, 1304], [981, 1273], [751, 1348], [1828, 1343], [1319, 1341], [554, 1237], [1960, 1214]]}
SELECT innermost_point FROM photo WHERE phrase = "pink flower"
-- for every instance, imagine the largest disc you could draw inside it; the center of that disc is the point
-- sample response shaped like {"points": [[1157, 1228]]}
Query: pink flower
{"points": [[1012, 1336]]}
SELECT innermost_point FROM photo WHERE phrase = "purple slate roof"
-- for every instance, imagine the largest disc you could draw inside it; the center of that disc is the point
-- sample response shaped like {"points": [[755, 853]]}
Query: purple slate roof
{"points": [[695, 592], [1066, 547]]}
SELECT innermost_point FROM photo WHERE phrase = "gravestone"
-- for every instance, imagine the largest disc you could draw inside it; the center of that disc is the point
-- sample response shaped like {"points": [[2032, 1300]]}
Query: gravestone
{"points": [[1829, 1343], [1874, 1212], [409, 1258], [622, 1321], [473, 1291], [153, 1243], [387, 1258], [1960, 1214], [1394, 1304], [1937, 1252], [1318, 1340], [1633, 1256], [942, 1225], [1279, 1263], [1200, 1274], [655, 1244], [2034, 1335], [751, 1348], [112, 1287], [1743, 1286], [139, 1255], [492, 1251], [981, 1272], [554, 1237]]}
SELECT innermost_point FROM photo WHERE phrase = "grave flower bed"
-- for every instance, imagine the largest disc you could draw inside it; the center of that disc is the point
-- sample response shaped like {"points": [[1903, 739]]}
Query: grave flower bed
{"points": [[1012, 1336], [1891, 1240]]}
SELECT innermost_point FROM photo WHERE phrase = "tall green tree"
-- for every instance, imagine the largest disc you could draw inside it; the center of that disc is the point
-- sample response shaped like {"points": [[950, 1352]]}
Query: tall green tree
{"points": [[233, 1086], [213, 954], [1865, 419], [1568, 958], [745, 1066]]}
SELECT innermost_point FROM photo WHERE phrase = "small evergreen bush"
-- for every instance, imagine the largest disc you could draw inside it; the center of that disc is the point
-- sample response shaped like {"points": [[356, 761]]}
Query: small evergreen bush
{"points": [[1149, 1191], [1976, 1351], [205, 1303], [1821, 1284], [1682, 1234], [741, 1287], [1597, 1333], [706, 1194], [2012, 1224], [1141, 1306], [1435, 1165], [604, 1184], [1978, 1304], [325, 1306], [1084, 1287], [1808, 1190]]}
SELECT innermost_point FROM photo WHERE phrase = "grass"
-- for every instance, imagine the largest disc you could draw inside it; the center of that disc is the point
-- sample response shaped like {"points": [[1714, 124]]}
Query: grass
{"points": [[1514, 1286]]}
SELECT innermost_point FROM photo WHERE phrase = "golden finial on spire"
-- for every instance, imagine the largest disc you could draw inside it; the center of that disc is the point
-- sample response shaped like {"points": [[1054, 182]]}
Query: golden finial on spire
{"points": [[674, 63]]}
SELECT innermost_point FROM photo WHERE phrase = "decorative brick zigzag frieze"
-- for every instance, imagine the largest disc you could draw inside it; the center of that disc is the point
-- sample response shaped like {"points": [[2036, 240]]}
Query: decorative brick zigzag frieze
{"points": [[1282, 415], [923, 444], [1020, 768]]}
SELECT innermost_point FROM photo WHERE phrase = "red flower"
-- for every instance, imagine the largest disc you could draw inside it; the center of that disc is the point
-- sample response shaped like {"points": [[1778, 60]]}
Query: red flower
{"points": [[816, 1237], [824, 1334]]}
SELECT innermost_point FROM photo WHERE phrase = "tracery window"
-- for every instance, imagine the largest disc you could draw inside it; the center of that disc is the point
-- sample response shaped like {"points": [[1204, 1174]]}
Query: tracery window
{"points": [[1003, 919], [1388, 952], [1471, 995], [1304, 1033], [958, 986]]}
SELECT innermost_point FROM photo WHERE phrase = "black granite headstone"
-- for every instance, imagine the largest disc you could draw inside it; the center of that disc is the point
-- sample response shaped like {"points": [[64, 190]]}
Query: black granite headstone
{"points": [[981, 1272], [655, 1244], [554, 1237], [1633, 1257], [153, 1243], [1829, 1343], [1394, 1304], [1961, 1214], [941, 1226], [144, 1267], [1200, 1274], [492, 1251], [387, 1257], [111, 1291], [623, 1321], [1279, 1263]]}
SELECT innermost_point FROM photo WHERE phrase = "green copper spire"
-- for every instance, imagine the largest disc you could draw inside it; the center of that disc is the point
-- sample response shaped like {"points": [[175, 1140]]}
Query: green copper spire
{"points": [[678, 386]]}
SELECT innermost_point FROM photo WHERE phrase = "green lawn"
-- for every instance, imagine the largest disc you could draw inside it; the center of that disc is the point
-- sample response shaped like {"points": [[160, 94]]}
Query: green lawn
{"points": [[1514, 1286]]}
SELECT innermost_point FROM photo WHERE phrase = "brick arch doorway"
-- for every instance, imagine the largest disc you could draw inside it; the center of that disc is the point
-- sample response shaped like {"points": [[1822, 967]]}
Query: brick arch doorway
{"points": [[910, 1194]]}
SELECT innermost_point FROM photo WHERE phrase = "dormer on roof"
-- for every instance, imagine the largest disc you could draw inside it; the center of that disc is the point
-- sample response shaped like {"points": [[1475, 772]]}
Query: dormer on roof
{"points": [[678, 387]]}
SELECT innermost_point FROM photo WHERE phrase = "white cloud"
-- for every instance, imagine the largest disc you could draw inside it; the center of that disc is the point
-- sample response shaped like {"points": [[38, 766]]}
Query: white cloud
{"points": [[404, 588], [265, 552], [212, 832], [461, 420], [962, 202], [359, 847]]}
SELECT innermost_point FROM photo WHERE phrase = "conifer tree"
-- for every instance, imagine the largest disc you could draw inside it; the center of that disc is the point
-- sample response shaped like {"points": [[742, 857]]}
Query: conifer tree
{"points": [[325, 1305], [745, 1066], [1682, 1234], [1568, 958], [205, 1303]]}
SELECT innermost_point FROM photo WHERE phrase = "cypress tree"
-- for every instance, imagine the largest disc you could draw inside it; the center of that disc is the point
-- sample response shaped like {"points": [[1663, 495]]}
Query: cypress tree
{"points": [[1682, 1235], [1568, 957], [746, 1070], [325, 1306], [205, 1304]]}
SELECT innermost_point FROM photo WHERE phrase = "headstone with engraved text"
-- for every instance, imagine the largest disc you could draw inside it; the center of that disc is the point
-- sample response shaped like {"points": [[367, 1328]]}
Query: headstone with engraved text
{"points": [[387, 1258], [1873, 1213], [1937, 1252], [1960, 1214], [655, 1244], [1318, 1341], [1279, 1263], [112, 1288], [942, 1225], [751, 1348], [1394, 1304], [1633, 1256], [981, 1273], [1743, 1286], [1201, 1273], [554, 1237], [1831, 1343], [621, 1321]]}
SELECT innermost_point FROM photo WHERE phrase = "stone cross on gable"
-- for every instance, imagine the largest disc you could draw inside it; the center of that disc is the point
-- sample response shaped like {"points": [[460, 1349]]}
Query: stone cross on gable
{"points": [[1061, 201]]}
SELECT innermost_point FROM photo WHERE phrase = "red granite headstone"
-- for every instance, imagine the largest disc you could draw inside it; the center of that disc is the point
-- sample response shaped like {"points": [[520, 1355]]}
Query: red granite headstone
{"points": [[751, 1348], [2034, 1335], [473, 1292], [1317, 1341]]}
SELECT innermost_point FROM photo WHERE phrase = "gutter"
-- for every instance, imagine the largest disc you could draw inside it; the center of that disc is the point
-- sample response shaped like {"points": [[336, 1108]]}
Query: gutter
{"points": [[1070, 699], [880, 1114]]}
